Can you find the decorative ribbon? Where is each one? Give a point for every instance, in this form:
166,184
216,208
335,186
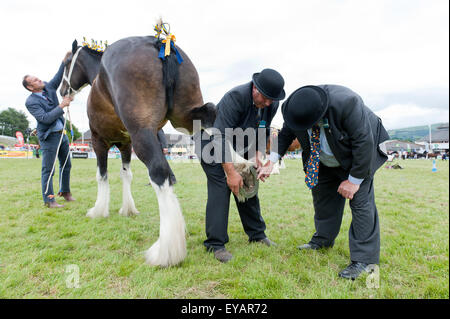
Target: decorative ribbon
168,43
165,49
159,28
94,45
168,40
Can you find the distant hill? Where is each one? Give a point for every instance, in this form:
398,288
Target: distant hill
413,133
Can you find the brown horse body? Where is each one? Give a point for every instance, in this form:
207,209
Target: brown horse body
128,103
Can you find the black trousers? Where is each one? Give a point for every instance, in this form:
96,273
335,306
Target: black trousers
217,209
364,232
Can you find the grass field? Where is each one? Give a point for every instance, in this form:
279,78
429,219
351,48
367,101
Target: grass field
38,245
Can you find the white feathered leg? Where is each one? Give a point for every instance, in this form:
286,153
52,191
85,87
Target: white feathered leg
170,248
128,207
101,208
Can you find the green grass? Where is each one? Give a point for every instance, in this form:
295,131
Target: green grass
37,244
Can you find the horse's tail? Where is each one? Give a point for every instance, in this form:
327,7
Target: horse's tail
170,75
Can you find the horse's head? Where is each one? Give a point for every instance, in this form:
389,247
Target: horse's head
73,78
80,69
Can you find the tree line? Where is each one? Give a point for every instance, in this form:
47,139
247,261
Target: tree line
12,120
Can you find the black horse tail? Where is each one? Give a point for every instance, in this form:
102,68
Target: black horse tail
170,75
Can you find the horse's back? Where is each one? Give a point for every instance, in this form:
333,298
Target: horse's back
144,89
126,46
131,73
131,56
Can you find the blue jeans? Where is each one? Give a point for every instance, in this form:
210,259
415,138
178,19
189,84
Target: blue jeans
49,148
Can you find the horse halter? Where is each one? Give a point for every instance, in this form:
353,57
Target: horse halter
68,77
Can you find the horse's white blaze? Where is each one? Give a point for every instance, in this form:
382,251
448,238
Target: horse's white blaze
128,207
170,248
101,208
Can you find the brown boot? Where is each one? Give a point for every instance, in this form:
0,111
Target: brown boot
67,196
53,204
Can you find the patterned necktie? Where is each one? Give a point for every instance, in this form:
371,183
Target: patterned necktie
312,171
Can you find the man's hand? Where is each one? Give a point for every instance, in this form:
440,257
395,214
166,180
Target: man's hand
234,180
67,56
264,171
165,151
66,101
258,160
347,189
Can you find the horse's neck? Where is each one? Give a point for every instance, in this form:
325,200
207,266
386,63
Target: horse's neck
92,73
92,68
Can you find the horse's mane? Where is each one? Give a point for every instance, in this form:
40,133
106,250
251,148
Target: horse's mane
92,51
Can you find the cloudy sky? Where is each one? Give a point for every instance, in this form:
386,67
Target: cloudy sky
394,53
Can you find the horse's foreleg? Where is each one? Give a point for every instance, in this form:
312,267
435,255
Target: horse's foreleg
128,207
170,248
101,208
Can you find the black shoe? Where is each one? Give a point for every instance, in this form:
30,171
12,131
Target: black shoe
266,241
309,246
353,270
223,255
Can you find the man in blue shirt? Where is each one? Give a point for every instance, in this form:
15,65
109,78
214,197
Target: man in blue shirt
43,104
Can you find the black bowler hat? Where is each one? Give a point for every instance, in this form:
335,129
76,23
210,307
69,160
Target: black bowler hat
305,107
270,83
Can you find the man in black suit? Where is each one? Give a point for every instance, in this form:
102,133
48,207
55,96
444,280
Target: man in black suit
43,104
250,107
340,138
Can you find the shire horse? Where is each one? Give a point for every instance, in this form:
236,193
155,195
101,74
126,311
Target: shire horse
133,94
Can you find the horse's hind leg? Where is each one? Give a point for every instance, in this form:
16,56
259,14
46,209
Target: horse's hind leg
170,248
101,208
128,207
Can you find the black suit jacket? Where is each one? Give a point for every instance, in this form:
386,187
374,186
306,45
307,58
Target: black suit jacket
354,133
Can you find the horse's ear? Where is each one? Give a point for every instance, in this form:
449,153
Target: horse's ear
74,46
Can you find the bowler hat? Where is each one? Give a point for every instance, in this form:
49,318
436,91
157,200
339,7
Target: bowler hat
270,83
305,107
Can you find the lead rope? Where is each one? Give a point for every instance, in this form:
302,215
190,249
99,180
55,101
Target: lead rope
70,142
54,162
67,79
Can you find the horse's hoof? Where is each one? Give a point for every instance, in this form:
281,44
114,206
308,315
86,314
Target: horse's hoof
94,213
127,212
151,255
155,257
